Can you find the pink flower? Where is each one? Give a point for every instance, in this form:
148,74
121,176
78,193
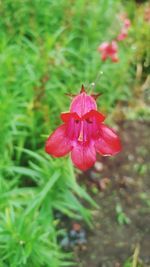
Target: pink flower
127,23
123,17
109,50
123,35
124,31
125,27
83,133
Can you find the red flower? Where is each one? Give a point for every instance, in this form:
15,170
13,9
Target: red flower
109,50
83,133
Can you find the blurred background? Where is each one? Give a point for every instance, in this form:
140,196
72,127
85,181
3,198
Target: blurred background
51,214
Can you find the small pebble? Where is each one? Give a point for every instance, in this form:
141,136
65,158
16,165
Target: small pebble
99,166
130,157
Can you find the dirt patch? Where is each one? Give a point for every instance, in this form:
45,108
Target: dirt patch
122,221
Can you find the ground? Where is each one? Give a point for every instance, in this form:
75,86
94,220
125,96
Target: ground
122,221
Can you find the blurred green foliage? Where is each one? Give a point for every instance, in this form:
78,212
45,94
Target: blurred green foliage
48,48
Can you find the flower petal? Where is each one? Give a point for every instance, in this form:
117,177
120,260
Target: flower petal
58,144
104,56
83,156
114,58
114,46
82,104
108,143
68,115
94,113
103,46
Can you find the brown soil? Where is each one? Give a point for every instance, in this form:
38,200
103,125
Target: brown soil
122,222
